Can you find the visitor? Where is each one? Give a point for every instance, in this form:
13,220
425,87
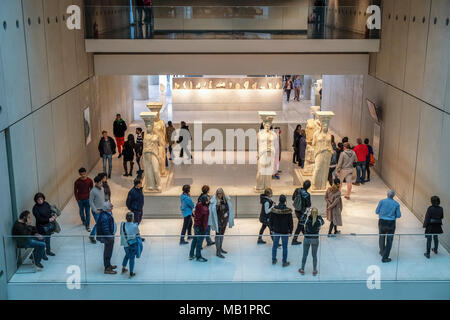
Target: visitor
334,207
106,229
135,201
344,168
297,88
200,225
333,164
107,148
139,12
45,221
184,143
362,152
187,206
220,215
119,129
130,240
264,215
333,143
205,191
302,201
433,224
128,155
105,185
369,159
96,201
312,228
27,236
81,189
281,224
295,142
301,149
138,148
149,21
344,140
388,210
169,137
288,87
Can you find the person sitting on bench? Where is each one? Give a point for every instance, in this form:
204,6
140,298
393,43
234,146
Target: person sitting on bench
27,237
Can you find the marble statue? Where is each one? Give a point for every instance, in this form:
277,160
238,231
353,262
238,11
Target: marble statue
312,127
266,152
159,128
150,153
323,152
246,84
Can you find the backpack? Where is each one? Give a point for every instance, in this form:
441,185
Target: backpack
298,202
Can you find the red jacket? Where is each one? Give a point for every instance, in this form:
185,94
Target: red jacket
361,151
82,188
201,215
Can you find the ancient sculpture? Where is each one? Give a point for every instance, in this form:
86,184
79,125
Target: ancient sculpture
322,152
312,127
266,152
159,128
150,152
246,84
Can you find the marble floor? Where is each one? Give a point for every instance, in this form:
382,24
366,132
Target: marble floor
343,258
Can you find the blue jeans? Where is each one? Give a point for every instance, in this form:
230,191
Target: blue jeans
284,242
207,235
107,157
85,209
94,229
360,172
197,242
130,255
39,248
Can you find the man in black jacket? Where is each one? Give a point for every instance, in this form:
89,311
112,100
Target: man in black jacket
106,148
281,223
24,231
119,129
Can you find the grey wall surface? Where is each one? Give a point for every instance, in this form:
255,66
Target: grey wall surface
409,80
46,83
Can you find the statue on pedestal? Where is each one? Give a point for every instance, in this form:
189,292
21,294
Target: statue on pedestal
266,152
312,127
323,152
150,153
159,128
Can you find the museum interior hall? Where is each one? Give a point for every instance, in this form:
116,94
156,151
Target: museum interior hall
219,92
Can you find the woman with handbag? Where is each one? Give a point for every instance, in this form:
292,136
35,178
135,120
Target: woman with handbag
45,221
131,242
334,207
433,224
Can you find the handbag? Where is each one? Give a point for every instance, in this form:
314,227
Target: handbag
55,210
49,228
130,242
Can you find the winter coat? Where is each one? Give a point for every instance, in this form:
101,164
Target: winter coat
437,214
201,216
312,230
22,230
334,206
295,141
301,147
362,152
306,200
106,226
187,205
42,213
281,221
263,216
213,220
135,200
101,149
128,151
119,128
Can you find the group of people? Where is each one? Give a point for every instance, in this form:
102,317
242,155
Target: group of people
293,83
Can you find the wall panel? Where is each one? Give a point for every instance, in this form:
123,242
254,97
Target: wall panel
54,48
438,53
37,52
417,46
383,57
14,60
69,48
3,107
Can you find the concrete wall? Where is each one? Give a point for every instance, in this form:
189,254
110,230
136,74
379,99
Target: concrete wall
46,82
409,80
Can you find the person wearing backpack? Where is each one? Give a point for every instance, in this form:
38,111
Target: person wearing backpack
106,229
130,240
302,201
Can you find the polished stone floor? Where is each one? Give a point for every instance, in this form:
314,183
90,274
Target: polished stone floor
346,257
